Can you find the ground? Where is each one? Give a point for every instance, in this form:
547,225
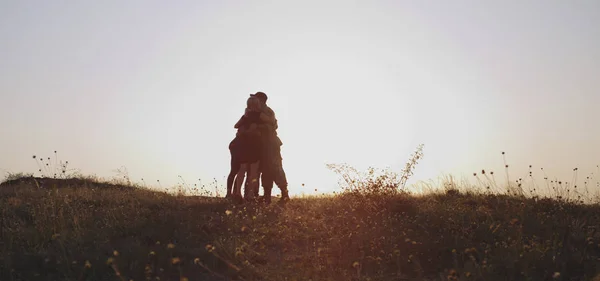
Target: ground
79,230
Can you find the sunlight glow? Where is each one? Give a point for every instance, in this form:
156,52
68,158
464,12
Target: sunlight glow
157,87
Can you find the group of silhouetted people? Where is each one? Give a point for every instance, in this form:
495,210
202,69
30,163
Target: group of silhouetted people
256,154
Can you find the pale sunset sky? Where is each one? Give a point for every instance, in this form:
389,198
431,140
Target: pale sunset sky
156,86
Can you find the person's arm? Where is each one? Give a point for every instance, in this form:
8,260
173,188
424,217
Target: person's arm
268,116
264,127
239,123
267,119
253,129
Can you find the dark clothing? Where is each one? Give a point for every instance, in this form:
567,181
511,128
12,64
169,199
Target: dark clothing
271,169
264,147
244,148
247,147
249,118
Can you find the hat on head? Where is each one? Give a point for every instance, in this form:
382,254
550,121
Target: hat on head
260,95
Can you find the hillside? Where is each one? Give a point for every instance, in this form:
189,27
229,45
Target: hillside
78,232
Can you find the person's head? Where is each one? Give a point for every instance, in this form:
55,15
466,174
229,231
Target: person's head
261,96
253,103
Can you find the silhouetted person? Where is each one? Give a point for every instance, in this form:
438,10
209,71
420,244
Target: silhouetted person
271,167
246,152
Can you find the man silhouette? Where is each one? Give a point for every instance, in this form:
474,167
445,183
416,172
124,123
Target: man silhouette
271,166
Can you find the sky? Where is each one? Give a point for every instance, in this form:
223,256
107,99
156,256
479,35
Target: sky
156,86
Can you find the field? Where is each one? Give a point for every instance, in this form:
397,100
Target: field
80,229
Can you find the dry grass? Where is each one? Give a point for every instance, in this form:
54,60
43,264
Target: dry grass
70,227
96,233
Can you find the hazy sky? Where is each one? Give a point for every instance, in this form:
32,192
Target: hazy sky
156,86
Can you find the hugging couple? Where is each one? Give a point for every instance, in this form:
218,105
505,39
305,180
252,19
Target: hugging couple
256,153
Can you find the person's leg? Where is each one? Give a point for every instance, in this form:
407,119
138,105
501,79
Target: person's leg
267,184
266,168
249,192
258,173
266,179
237,191
256,190
260,169
279,174
235,167
246,182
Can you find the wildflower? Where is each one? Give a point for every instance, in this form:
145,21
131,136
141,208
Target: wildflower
556,275
196,261
170,246
239,253
452,275
175,260
88,264
356,264
228,212
115,253
152,253
110,261
210,248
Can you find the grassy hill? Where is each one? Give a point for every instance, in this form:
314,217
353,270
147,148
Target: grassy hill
81,230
